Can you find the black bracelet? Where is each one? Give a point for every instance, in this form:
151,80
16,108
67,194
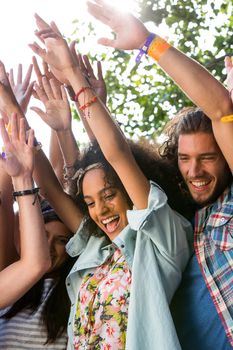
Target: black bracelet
34,191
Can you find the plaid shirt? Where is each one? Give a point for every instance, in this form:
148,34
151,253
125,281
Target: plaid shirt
213,242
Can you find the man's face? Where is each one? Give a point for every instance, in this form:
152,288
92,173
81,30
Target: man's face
202,166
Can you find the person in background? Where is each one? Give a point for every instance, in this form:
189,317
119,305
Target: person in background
34,259
36,318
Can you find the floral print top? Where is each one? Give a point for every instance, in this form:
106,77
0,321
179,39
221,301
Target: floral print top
102,308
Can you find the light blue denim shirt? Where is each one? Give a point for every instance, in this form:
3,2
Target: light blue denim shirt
156,244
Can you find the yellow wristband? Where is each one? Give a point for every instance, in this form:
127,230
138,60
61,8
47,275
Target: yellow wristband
227,118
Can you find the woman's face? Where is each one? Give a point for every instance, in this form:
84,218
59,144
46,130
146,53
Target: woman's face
58,235
107,205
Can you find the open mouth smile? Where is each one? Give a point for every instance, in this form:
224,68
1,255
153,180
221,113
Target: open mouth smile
111,223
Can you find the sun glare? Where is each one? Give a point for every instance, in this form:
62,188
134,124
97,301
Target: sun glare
124,5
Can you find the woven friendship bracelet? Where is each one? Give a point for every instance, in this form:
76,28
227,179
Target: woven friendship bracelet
83,89
87,104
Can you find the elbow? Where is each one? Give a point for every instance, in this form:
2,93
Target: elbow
225,108
39,268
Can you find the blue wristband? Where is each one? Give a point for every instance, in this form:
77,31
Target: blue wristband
145,47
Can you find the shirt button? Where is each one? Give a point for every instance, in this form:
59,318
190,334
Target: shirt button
68,284
75,268
122,246
69,323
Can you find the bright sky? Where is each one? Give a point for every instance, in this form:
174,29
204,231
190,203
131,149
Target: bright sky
17,27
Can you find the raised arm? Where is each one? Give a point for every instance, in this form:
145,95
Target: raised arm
43,172
96,82
58,117
34,260
197,83
7,247
110,138
130,33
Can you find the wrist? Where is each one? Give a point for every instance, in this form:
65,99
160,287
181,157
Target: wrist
24,182
65,133
145,46
76,78
69,74
144,38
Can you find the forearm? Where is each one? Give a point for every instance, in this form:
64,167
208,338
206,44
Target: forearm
55,156
104,128
89,132
51,189
197,83
7,247
68,147
33,240
19,277
45,177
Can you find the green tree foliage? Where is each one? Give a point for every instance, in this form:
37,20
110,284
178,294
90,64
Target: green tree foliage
142,98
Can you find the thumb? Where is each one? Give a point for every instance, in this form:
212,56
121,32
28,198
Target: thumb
107,42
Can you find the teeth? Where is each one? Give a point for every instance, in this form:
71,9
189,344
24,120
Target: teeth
199,183
108,220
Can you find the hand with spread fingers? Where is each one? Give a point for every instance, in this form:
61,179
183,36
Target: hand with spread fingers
22,88
57,54
97,83
57,109
19,158
130,32
39,74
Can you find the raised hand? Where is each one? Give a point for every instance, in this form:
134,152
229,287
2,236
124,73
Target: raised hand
97,83
19,158
57,54
22,88
39,74
57,110
130,32
8,102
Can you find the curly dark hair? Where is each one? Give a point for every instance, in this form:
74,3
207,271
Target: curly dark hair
153,167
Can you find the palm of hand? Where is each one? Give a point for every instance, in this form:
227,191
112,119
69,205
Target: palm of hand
58,114
99,87
124,39
19,159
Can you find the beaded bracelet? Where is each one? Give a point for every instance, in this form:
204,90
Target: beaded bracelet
34,191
